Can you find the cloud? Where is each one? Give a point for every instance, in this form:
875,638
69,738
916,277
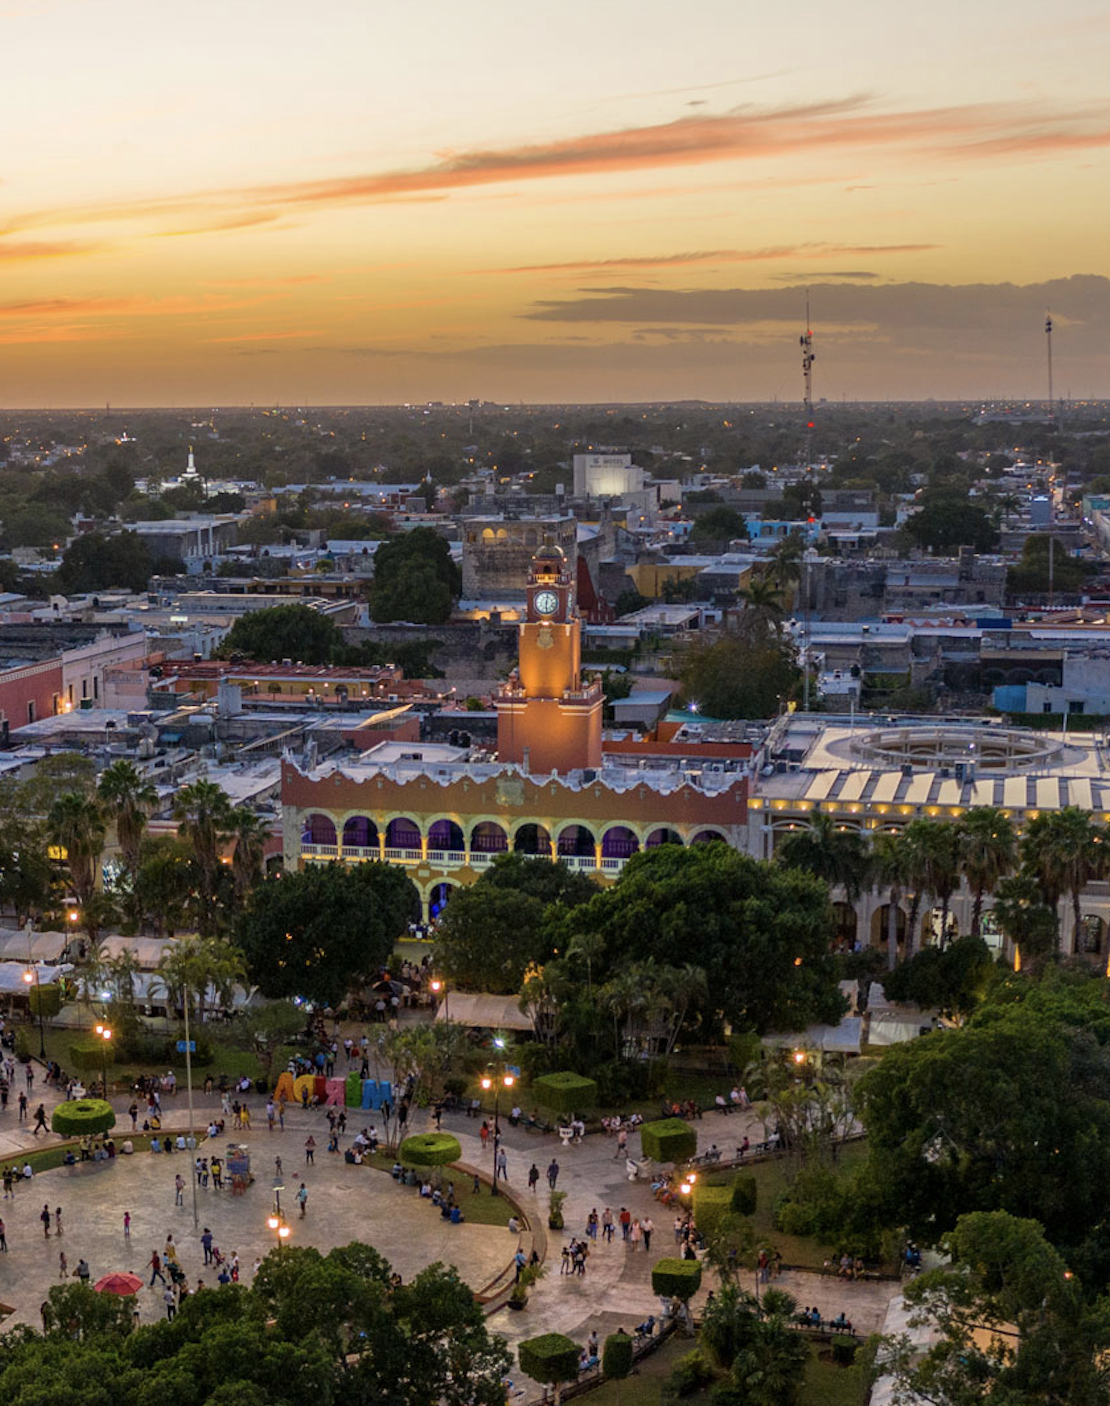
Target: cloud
718,256
16,251
266,336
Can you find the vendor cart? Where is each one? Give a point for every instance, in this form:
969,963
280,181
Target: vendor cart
238,1167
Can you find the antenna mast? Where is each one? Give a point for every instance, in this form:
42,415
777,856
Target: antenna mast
807,375
1048,345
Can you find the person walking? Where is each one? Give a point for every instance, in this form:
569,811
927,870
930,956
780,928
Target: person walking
134,1112
81,1273
646,1227
63,1265
302,1199
156,1268
552,1173
501,1165
179,1190
622,1144
607,1225
45,1217
625,1219
57,1220
169,1250
127,1225
533,1176
310,1151
40,1120
635,1234
270,1115
22,1106
206,1245
170,1301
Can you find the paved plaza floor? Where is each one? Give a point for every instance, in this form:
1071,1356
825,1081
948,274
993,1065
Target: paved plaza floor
347,1203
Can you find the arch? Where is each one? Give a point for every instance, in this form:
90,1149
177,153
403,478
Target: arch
532,839
402,833
705,837
847,925
619,842
438,897
318,829
878,926
446,835
359,832
576,840
662,836
488,534
488,837
1092,931
342,693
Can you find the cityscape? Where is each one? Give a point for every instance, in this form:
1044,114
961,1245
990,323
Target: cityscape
555,706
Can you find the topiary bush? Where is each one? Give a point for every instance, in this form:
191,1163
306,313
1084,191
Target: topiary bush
83,1117
668,1140
87,1057
616,1356
711,1205
564,1092
429,1150
676,1279
689,1374
549,1359
745,1196
48,997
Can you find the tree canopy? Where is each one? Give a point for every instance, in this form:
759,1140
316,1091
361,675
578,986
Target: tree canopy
324,931
415,578
96,562
294,632
739,677
947,521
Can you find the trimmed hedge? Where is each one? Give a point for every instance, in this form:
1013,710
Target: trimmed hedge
616,1356
88,1058
83,1117
744,1195
676,1279
429,1150
50,998
668,1140
564,1092
549,1359
711,1205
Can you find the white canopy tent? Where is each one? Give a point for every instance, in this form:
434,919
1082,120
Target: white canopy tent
483,1010
12,974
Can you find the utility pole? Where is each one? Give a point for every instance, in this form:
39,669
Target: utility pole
190,1141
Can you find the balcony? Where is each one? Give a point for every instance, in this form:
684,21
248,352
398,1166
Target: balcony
361,852
320,851
404,856
447,858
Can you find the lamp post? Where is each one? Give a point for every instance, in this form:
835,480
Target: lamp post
105,1036
29,976
438,985
504,1080
277,1224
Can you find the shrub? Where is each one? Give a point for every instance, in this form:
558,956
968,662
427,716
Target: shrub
564,1092
455,1087
668,1140
555,1210
87,1057
549,1359
792,1217
711,1205
83,1117
844,1351
618,1082
49,997
689,1374
676,1279
22,1046
429,1150
745,1196
616,1357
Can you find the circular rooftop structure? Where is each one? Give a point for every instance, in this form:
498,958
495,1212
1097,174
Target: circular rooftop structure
929,748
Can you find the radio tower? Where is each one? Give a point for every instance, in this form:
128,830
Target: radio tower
807,374
1048,345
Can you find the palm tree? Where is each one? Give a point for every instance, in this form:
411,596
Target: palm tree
250,832
197,965
128,797
834,854
203,812
889,862
762,603
163,883
1065,850
76,824
988,852
932,869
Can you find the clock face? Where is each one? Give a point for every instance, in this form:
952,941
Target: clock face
547,602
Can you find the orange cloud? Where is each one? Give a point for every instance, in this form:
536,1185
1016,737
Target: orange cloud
716,256
19,252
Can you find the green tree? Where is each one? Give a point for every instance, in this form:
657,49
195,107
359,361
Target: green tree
164,883
76,824
1026,920
203,814
947,521
324,931
1065,849
199,968
890,872
950,979
250,833
550,883
830,852
988,853
489,936
415,578
127,797
719,525
95,562
758,931
296,632
738,678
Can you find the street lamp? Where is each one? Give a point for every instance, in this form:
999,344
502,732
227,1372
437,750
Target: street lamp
29,976
437,985
280,1229
106,1038
503,1081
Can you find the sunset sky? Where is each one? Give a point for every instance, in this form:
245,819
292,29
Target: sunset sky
347,201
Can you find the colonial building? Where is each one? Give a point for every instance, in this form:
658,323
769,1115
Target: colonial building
552,789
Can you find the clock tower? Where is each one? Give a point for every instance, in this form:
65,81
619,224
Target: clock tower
545,718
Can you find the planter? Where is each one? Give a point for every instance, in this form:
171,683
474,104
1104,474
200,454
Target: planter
518,1304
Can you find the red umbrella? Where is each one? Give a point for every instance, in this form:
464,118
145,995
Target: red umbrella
122,1284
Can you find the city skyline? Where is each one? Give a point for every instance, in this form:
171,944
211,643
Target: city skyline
610,203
